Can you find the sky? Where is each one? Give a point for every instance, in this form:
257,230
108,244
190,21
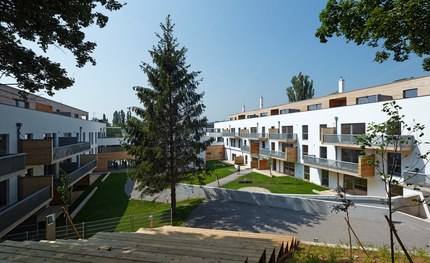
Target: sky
244,49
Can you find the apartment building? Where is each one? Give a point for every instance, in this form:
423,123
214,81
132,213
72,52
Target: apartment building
40,138
314,139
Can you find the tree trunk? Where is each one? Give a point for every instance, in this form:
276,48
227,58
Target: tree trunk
173,198
390,214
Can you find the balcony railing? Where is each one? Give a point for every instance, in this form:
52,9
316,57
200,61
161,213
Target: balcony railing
76,175
283,136
331,164
245,148
419,179
68,150
405,141
11,163
254,135
265,152
20,211
228,134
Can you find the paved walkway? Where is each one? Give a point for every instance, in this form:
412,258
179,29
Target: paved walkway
221,214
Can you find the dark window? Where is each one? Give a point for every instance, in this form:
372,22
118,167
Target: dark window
353,128
3,143
307,173
410,93
272,146
289,168
3,192
323,152
349,155
305,131
305,149
394,164
354,185
287,129
367,99
314,107
324,178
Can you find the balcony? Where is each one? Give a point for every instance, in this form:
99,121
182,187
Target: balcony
360,169
253,135
286,137
290,154
17,213
12,164
406,142
77,174
42,151
229,134
245,148
419,179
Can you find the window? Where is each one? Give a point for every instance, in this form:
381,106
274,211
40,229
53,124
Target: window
367,99
349,155
394,164
314,107
305,131
324,178
410,93
263,114
289,168
323,152
307,173
272,146
287,129
3,143
305,149
246,159
353,128
4,192
354,185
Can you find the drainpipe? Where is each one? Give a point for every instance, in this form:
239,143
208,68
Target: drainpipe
18,137
335,147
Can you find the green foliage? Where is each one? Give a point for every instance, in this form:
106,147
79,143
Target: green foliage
119,119
301,89
167,135
63,188
282,185
47,23
399,27
218,170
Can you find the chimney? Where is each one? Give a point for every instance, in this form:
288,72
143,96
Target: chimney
341,85
243,108
261,102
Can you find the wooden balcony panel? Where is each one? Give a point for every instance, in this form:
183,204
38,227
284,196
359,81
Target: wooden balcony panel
273,131
291,154
31,184
39,152
254,148
364,169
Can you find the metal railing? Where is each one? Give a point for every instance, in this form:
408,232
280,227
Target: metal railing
11,163
264,151
419,179
277,154
328,163
68,150
253,135
111,148
20,210
245,148
81,171
129,223
283,136
228,134
403,140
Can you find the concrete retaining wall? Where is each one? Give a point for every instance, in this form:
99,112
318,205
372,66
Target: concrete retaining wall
309,204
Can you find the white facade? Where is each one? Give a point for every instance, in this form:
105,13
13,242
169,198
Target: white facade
68,143
242,132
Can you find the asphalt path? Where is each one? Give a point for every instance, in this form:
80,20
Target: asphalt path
330,229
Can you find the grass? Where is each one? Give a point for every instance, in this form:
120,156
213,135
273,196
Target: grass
219,170
309,253
279,185
111,201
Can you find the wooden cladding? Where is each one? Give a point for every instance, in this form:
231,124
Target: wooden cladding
38,151
254,148
364,168
329,130
291,154
254,164
215,152
263,164
238,160
43,107
271,131
103,158
31,184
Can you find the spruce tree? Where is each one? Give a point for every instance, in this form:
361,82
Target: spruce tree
166,135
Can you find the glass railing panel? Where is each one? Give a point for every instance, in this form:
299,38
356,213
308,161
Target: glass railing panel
81,171
245,148
264,151
12,163
283,136
334,164
65,151
414,178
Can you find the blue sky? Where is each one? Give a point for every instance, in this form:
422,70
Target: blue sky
245,49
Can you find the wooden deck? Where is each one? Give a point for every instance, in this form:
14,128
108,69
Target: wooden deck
165,244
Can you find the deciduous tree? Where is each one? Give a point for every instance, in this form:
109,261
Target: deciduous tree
47,23
301,89
166,135
399,27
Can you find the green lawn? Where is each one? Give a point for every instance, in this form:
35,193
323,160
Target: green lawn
219,169
111,201
279,185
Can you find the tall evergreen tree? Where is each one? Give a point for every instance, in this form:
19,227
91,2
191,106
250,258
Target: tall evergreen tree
301,89
166,136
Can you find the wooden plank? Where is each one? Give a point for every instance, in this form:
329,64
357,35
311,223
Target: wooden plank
188,244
